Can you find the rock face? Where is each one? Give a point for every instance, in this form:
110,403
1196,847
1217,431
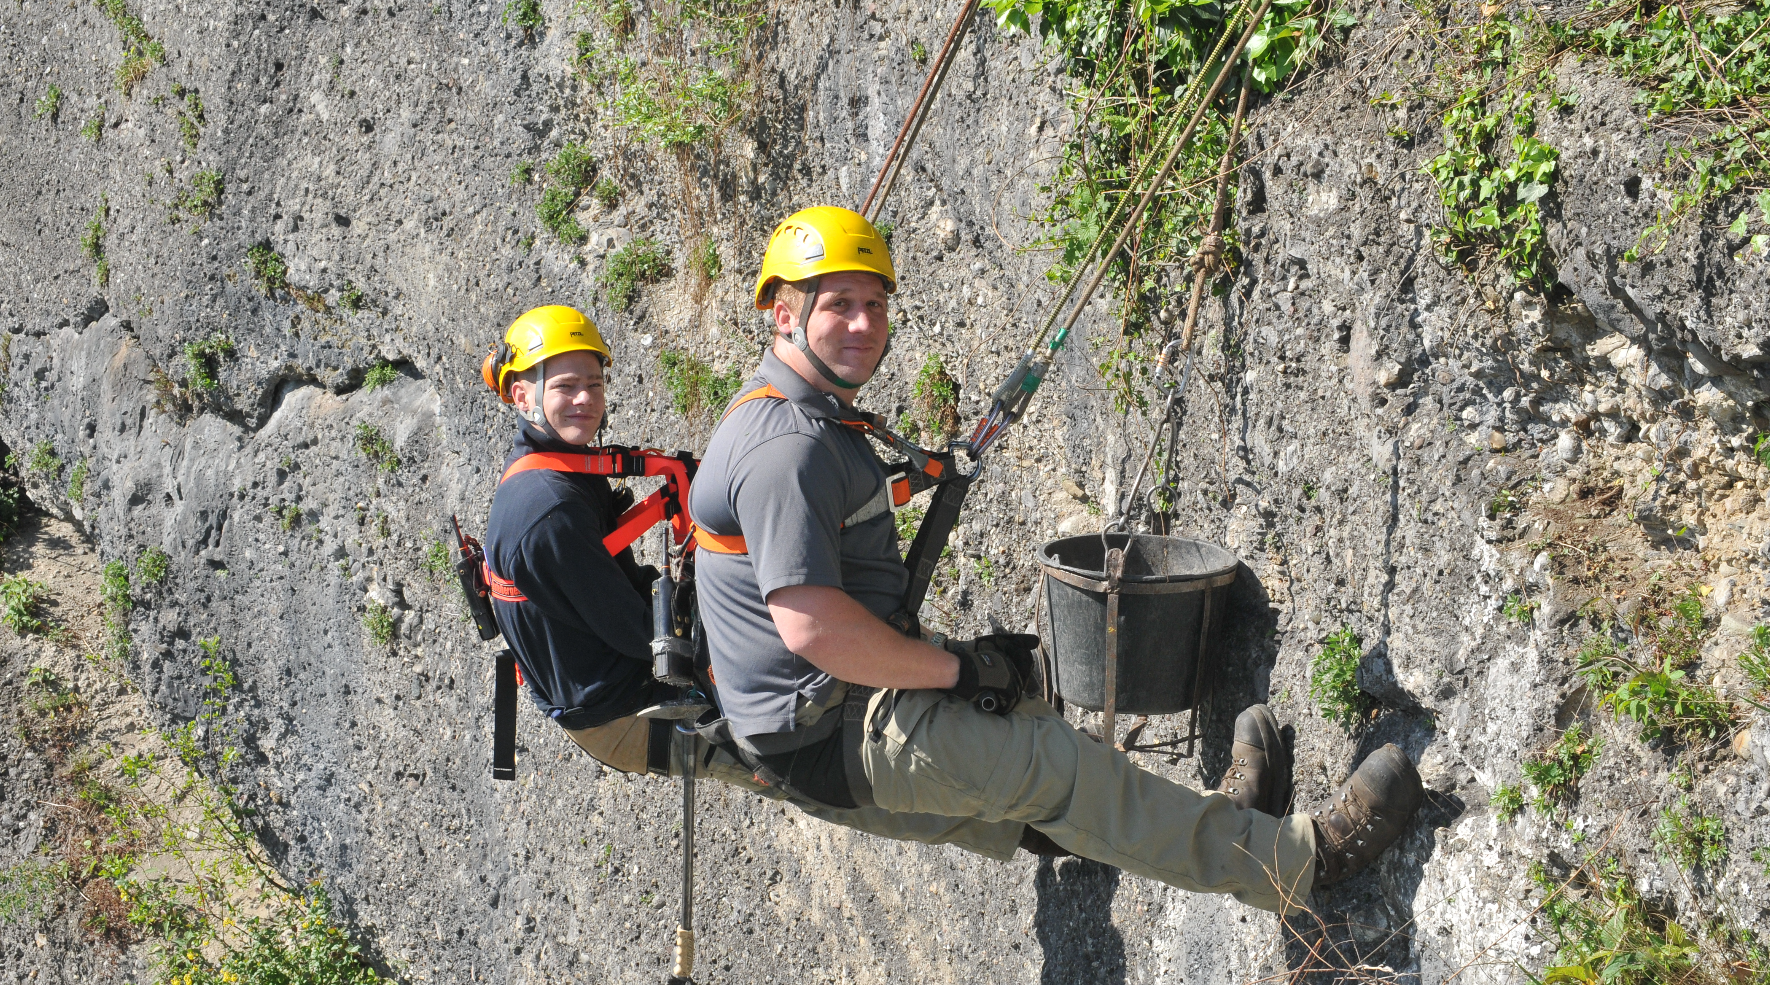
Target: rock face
1385,442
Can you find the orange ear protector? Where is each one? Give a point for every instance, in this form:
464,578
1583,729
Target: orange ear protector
490,370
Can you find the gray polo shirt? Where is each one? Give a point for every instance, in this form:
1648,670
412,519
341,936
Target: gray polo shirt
785,474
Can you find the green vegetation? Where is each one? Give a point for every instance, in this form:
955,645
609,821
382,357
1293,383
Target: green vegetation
204,195
376,448
116,603
1507,801
569,175
607,194
287,515
1707,66
1333,680
1647,683
525,14
93,129
351,298
885,229
267,268
642,261
21,604
9,507
908,520
201,359
1755,663
28,888
934,402
43,460
692,83
378,623
437,561
152,566
379,375
1132,69
523,173
92,244
704,261
693,385
1517,608
190,119
1689,837
918,52
1606,934
140,51
1494,171
49,104
1555,772
77,480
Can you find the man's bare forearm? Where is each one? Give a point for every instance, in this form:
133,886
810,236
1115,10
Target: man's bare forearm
841,638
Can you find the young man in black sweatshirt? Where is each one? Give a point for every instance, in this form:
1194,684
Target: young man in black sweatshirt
577,617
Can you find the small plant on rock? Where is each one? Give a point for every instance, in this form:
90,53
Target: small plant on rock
376,448
201,358
21,604
693,385
379,375
267,268
1689,837
378,623
1507,801
1755,663
351,298
93,129
1333,680
437,562
43,460
1555,772
77,480
92,244
642,261
525,14
49,104
152,566
936,401
606,193
1518,608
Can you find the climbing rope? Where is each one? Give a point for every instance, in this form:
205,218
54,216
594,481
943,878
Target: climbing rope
912,124
1206,263
1010,400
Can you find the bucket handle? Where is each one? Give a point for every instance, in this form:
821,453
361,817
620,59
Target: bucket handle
1141,588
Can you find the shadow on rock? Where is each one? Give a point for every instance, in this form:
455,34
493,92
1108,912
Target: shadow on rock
1073,923
1362,930
1246,648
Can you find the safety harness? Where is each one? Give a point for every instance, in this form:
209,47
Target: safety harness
481,584
920,469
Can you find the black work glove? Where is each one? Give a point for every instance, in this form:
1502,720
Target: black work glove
993,670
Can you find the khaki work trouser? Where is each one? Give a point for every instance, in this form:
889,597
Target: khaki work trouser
622,745
936,754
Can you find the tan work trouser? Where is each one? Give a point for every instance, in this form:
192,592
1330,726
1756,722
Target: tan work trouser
622,745
936,754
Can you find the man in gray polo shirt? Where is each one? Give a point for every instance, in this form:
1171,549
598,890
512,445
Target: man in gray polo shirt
799,571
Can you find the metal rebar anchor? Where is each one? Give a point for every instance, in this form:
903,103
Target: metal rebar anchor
682,973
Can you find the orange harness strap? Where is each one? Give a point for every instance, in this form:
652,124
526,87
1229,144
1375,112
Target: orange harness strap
735,543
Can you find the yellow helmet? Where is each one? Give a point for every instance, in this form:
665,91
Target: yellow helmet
822,240
540,333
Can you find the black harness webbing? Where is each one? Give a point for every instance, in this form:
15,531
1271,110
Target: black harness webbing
504,717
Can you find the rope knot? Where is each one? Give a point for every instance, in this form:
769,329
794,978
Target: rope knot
1209,257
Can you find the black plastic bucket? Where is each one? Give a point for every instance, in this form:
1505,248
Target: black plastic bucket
1163,633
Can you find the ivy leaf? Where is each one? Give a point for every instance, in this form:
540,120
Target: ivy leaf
1341,17
1530,191
1738,227
1761,243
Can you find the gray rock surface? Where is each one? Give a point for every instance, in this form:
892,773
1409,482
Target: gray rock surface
1340,437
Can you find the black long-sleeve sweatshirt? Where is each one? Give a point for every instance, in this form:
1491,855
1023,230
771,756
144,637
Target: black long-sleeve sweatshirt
583,638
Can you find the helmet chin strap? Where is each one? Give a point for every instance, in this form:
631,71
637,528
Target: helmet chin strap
535,415
804,345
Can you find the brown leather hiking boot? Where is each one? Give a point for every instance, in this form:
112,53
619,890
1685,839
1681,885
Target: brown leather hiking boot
1259,773
1366,816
